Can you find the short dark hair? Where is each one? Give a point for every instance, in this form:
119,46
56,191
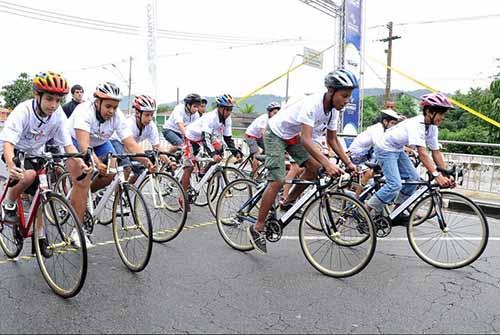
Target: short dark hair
76,87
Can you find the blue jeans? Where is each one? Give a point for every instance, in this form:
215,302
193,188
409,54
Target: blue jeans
173,137
396,166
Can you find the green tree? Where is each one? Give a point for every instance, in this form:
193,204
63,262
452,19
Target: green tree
164,108
407,105
370,110
20,90
247,108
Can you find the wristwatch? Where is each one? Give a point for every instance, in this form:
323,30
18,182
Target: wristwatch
435,174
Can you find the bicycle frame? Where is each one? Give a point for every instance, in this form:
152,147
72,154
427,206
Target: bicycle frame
157,198
25,225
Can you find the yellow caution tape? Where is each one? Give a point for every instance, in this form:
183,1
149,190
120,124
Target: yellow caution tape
240,100
458,103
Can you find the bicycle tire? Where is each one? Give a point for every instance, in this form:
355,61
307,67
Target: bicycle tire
214,186
163,231
141,225
64,248
316,258
449,200
232,228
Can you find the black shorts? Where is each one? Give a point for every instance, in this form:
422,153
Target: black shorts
28,165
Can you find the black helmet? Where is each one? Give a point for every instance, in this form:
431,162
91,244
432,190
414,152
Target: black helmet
192,98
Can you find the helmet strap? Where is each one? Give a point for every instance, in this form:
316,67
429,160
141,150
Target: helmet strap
98,111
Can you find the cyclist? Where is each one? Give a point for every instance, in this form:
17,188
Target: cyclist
27,129
291,130
203,106
361,149
174,130
417,131
208,131
254,135
93,123
143,128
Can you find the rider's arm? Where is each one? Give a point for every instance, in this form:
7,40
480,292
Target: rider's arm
206,140
8,154
307,141
182,128
133,147
425,159
438,158
334,143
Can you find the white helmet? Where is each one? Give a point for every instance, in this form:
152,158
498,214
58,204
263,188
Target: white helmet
390,114
108,90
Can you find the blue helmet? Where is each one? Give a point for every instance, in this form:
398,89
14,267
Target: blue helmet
342,78
224,100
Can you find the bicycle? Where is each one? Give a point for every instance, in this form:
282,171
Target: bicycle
128,203
205,188
162,192
245,165
431,222
53,218
338,215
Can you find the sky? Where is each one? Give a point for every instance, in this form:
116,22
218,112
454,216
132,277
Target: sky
449,55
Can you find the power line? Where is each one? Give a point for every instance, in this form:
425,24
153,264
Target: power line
456,19
81,22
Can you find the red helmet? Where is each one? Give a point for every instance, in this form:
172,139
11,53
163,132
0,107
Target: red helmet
144,103
50,82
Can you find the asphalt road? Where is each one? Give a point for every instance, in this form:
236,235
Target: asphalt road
197,283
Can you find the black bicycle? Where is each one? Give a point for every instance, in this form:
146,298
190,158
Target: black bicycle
329,229
445,229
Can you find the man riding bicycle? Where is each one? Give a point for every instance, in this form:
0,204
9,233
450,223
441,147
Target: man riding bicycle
174,130
292,130
254,135
27,129
143,128
93,123
418,131
209,130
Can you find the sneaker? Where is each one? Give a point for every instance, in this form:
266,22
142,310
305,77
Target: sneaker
258,239
44,248
75,238
9,214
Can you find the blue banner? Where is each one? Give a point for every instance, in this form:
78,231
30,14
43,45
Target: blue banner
352,60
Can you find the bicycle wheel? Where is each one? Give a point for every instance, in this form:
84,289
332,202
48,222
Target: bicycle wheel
218,181
163,193
340,253
132,228
64,185
232,222
54,174
106,216
11,240
460,242
66,269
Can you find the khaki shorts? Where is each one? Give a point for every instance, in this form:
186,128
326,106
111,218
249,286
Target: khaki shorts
275,155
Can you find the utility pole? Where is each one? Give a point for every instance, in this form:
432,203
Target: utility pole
389,39
130,86
177,95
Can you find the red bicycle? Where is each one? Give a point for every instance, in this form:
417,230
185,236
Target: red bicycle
64,267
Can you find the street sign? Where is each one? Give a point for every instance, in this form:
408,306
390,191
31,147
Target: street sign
313,58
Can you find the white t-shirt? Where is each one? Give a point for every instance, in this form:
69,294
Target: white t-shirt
179,115
411,132
209,123
150,132
309,111
254,129
29,133
84,118
362,144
